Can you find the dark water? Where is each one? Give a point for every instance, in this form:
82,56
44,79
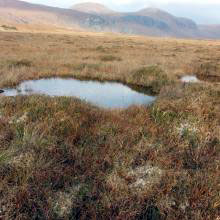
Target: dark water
108,94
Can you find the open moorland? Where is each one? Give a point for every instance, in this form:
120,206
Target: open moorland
63,158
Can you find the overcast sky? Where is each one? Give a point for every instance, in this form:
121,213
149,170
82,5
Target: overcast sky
202,11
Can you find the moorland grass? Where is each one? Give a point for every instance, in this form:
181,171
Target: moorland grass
105,57
61,158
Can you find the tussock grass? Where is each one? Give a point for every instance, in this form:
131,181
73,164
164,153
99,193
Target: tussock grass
61,158
30,56
18,63
108,58
150,76
7,27
208,71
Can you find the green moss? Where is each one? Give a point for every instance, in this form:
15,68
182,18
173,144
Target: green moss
151,76
163,117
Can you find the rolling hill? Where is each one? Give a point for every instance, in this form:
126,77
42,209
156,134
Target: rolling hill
97,17
92,8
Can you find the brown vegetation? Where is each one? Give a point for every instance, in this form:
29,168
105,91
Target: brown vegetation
102,56
61,158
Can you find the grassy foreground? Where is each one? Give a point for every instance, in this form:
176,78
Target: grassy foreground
61,158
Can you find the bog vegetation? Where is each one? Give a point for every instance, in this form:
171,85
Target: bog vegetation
62,158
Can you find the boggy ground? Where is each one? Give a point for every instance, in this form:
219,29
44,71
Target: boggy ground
61,158
135,60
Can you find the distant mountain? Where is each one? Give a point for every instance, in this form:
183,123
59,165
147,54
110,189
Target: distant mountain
19,12
165,22
210,31
164,16
96,17
92,8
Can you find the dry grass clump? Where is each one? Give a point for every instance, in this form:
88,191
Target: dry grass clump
7,27
108,58
18,63
151,77
208,71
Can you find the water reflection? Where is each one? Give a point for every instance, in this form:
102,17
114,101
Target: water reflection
107,94
189,79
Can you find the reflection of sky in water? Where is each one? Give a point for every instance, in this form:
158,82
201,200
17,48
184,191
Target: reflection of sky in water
192,79
110,95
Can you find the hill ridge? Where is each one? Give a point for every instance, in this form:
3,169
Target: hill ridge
148,21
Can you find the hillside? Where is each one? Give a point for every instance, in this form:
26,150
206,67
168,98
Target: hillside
96,17
92,8
19,12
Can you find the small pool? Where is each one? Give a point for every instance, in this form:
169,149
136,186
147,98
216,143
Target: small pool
107,94
190,79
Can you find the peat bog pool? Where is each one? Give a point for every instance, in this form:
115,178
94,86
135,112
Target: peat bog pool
102,94
189,79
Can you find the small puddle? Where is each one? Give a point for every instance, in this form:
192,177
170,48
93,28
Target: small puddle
190,79
107,94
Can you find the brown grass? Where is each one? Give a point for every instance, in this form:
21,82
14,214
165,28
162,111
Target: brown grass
82,55
61,158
